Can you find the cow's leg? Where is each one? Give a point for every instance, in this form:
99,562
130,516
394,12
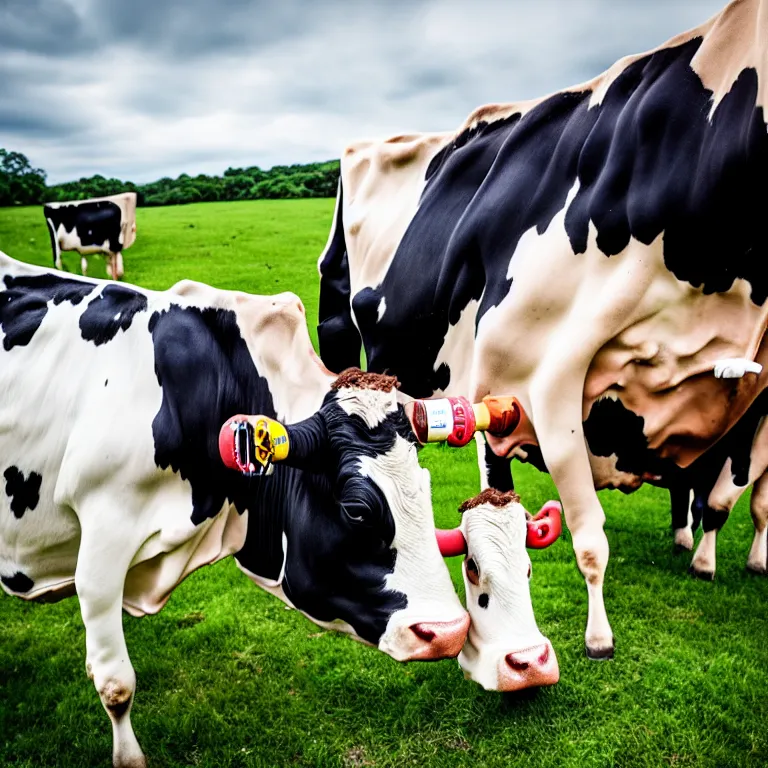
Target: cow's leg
758,554
495,472
99,579
83,265
681,498
719,500
556,405
114,265
55,245
704,561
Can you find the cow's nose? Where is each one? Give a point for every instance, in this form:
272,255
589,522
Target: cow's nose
529,668
440,639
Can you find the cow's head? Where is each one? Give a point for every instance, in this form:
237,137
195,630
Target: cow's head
360,552
505,650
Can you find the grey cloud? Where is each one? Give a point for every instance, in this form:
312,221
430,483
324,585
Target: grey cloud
48,27
146,88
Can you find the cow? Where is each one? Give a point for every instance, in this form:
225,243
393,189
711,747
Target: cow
120,504
597,253
707,491
100,225
505,651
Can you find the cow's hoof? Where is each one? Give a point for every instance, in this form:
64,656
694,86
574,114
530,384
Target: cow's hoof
678,548
757,568
599,654
699,574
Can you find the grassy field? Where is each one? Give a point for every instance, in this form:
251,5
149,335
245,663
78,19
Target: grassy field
227,676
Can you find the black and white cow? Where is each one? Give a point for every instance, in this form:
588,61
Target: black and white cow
707,491
120,504
100,225
597,253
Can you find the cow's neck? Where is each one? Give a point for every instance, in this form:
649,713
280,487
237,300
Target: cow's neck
279,519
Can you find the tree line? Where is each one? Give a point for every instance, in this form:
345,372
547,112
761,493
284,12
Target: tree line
21,184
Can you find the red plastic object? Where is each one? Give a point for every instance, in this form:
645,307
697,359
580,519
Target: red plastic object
545,527
228,445
451,542
463,422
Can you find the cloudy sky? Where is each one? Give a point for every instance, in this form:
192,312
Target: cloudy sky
141,89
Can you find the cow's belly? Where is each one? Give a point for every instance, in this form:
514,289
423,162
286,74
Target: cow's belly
658,362
72,242
176,549
38,551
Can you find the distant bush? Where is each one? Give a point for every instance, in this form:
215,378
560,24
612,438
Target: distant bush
20,184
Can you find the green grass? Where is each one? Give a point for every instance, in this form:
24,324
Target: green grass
229,677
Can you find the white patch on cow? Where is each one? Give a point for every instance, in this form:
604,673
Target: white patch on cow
118,315
420,572
382,309
371,405
332,232
496,542
684,536
457,349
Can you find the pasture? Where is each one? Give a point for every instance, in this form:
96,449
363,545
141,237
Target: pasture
227,676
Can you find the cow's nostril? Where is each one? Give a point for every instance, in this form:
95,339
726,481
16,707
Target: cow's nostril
423,633
519,666
529,659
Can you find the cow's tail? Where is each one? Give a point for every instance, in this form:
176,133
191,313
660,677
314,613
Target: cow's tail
338,337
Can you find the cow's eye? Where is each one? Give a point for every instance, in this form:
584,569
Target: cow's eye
472,573
530,570
357,511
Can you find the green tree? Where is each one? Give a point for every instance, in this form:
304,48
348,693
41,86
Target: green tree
20,183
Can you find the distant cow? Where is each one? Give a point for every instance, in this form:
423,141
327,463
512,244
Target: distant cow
120,504
597,253
706,492
100,225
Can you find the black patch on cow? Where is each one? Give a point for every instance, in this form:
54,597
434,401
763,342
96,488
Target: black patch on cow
339,341
713,519
680,502
648,161
112,310
24,493
96,223
19,582
338,525
482,601
611,428
24,303
499,471
207,375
